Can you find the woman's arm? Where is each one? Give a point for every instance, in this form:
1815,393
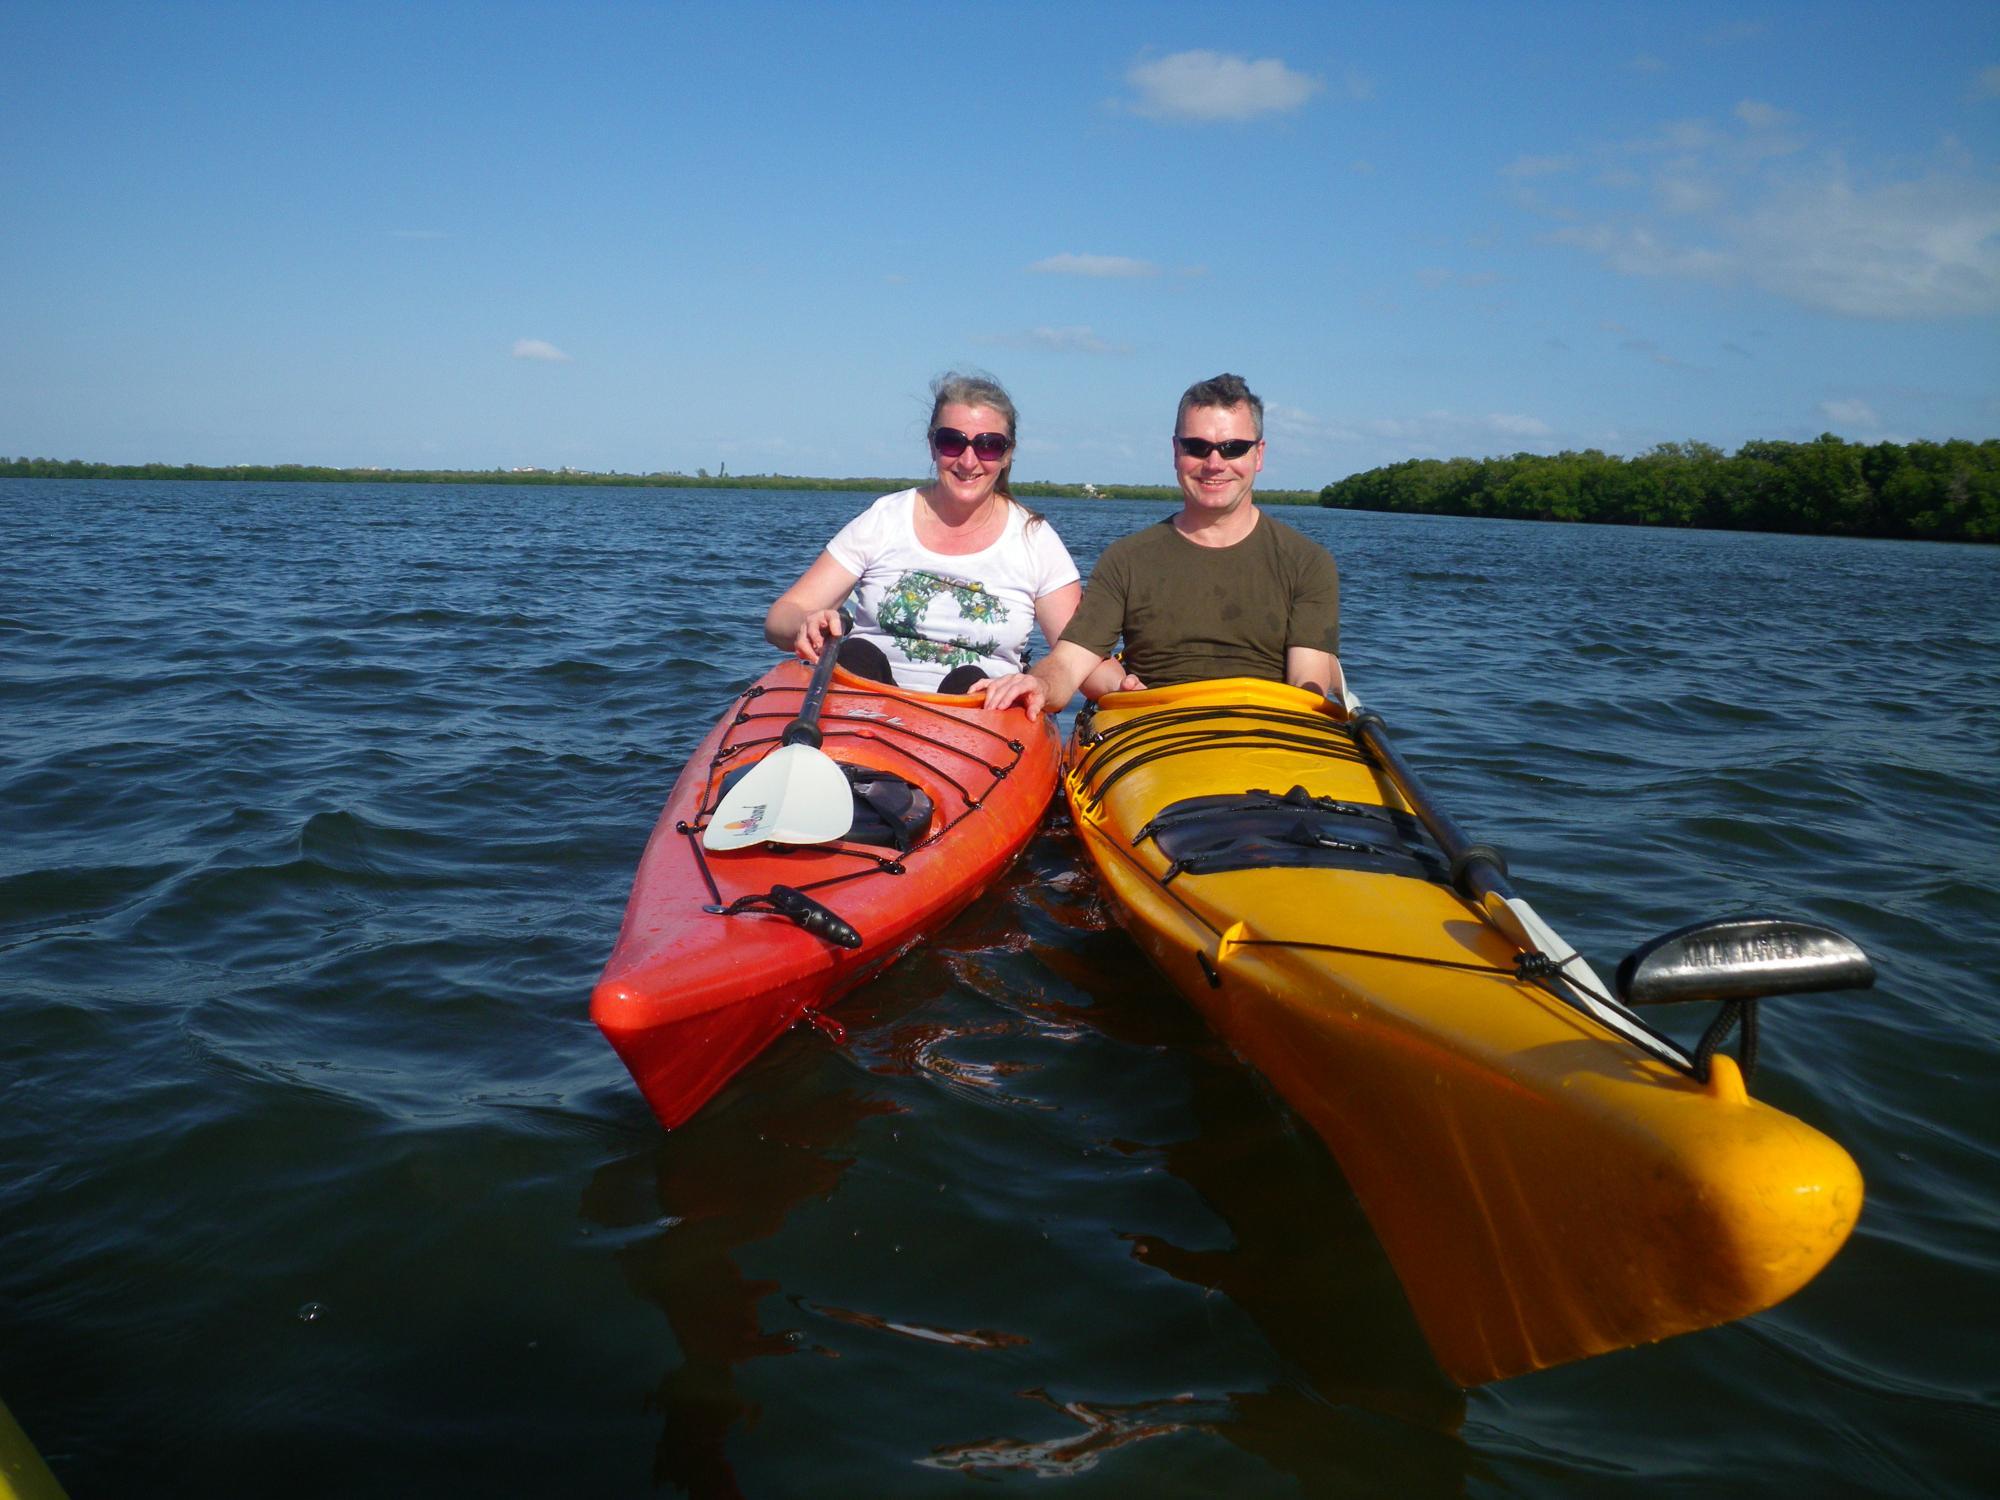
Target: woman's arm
1053,609
809,611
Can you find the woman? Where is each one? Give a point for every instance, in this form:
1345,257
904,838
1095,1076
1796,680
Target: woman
947,578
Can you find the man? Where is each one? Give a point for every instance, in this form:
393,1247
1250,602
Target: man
1218,590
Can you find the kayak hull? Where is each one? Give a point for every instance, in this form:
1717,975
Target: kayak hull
700,982
1545,1189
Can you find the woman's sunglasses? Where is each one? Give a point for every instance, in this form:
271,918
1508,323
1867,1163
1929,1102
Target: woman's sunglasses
987,446
1202,447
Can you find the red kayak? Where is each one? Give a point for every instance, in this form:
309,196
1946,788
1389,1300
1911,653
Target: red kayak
724,949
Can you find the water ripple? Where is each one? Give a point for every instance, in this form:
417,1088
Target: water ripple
322,805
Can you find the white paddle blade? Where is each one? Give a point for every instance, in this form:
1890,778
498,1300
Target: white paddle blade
794,795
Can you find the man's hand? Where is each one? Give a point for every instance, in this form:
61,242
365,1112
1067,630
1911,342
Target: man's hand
1109,676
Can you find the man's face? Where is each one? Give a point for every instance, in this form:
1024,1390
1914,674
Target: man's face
1214,485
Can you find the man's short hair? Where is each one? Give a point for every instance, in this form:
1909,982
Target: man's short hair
1221,390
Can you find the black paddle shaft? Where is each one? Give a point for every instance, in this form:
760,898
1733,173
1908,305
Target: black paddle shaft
1476,869
804,730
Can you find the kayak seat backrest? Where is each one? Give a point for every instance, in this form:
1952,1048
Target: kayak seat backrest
888,811
1265,830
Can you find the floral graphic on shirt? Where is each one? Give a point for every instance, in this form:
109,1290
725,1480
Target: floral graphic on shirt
903,606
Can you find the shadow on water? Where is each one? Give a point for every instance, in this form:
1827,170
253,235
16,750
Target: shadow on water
1300,1260
1315,1369
717,1188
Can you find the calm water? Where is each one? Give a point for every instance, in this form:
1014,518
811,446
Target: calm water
320,809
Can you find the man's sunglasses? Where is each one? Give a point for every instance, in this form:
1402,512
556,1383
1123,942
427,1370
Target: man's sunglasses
986,446
1202,447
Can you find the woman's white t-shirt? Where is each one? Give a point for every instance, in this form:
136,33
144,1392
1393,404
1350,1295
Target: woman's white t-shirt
930,611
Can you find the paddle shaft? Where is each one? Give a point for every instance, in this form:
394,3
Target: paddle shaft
1477,870
804,730
1479,873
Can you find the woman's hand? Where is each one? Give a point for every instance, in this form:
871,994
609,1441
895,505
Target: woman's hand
815,630
1016,687
797,620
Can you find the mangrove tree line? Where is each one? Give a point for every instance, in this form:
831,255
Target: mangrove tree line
1947,491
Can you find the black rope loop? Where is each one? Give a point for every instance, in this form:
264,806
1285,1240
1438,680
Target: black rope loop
1538,965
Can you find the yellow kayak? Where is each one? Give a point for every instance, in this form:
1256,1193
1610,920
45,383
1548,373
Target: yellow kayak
23,1475
1550,1177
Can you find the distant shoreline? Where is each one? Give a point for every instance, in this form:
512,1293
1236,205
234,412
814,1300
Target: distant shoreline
48,468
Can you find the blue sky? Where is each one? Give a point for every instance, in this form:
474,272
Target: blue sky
674,236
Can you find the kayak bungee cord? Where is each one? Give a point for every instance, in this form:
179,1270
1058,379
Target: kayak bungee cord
1475,868
1196,736
882,730
998,773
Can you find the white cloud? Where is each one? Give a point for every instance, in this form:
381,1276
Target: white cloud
1538,166
1449,433
1074,339
1741,206
1068,264
540,349
1298,431
1918,249
1687,195
1515,425
1203,85
1850,413
1638,251
1439,276
1760,116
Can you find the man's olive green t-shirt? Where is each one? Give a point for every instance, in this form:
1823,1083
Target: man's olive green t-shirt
1188,612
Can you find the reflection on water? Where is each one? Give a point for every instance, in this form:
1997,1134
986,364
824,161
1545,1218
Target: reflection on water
715,1190
1106,1428
1269,1231
323,804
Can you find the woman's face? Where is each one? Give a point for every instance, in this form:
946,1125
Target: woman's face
968,478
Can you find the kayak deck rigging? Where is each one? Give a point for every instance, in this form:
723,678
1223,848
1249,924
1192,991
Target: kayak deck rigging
1550,1178
757,903
876,730
1114,753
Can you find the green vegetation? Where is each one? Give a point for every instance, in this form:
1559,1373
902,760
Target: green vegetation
73,468
51,468
1934,491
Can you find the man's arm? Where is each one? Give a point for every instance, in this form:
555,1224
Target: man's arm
1049,684
1316,671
